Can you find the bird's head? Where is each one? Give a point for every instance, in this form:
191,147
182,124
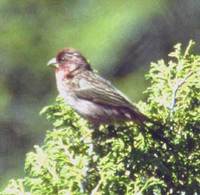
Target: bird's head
70,61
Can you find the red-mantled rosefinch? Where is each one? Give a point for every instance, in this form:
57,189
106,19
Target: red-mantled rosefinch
93,97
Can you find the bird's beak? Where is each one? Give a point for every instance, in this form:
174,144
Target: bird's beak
52,63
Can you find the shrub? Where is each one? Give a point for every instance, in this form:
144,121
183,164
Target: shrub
127,159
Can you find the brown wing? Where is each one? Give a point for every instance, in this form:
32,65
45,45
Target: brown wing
94,88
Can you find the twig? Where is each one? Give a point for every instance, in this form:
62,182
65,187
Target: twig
95,190
176,88
67,153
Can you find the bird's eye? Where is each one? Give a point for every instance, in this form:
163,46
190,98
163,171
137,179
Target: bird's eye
62,59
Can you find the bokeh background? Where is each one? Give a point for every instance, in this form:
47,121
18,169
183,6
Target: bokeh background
120,39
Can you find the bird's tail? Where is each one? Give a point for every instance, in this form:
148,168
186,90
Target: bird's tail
155,129
141,118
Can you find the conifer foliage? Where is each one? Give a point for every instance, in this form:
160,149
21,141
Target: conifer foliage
126,159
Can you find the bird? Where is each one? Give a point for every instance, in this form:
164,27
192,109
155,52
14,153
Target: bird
95,98
89,94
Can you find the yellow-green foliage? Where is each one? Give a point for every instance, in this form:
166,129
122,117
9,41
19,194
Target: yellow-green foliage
76,159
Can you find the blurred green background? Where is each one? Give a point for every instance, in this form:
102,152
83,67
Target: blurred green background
120,39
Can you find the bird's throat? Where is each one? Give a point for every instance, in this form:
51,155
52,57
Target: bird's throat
63,73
